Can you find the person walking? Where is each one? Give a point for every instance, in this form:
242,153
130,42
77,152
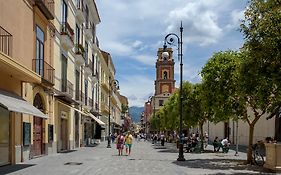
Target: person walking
120,144
128,143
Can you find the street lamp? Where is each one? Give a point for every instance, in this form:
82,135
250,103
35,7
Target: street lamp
115,85
169,39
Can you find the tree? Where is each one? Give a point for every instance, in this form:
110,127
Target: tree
196,105
220,87
261,80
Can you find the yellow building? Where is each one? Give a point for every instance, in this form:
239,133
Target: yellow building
76,99
26,68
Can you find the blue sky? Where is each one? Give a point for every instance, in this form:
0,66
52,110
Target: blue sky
133,30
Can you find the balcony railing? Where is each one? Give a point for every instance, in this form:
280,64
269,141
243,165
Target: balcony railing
44,69
67,30
47,8
6,40
97,106
79,49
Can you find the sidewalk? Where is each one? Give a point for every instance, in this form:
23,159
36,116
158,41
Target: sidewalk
145,159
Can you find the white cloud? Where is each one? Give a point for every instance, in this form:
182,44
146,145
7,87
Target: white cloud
136,88
200,22
137,44
146,59
134,30
236,17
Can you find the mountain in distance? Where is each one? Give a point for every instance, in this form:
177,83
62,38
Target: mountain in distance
135,113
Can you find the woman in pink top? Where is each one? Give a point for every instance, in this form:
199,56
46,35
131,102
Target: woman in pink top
120,143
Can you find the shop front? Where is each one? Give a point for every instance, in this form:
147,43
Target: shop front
11,126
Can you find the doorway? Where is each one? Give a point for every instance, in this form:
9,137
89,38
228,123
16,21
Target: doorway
38,127
64,137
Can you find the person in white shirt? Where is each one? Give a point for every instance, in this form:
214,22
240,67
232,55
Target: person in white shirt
224,142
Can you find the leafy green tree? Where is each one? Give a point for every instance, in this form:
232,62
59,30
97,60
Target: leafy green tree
221,85
261,80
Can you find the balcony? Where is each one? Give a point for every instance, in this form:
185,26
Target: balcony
79,54
45,70
6,40
80,18
66,36
46,7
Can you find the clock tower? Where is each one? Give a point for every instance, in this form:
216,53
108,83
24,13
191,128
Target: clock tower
165,82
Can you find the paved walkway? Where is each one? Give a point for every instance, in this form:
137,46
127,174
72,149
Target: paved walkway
145,159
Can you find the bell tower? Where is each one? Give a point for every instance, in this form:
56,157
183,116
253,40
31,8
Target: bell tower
165,82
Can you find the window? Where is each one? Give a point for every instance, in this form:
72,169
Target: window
93,65
77,84
39,62
165,75
78,3
86,52
63,73
161,102
87,17
77,32
93,96
93,32
64,11
86,92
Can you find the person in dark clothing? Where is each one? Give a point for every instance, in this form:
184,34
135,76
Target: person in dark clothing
216,144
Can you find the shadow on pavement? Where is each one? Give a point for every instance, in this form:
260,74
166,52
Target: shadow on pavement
12,168
221,164
168,151
67,151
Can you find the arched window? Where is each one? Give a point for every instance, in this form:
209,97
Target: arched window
38,102
165,75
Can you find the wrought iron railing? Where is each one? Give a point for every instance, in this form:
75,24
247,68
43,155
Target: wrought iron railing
6,40
96,106
45,70
79,49
67,30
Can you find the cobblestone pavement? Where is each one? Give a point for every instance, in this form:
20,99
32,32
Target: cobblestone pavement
145,159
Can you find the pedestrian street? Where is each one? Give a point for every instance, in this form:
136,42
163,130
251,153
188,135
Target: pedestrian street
145,159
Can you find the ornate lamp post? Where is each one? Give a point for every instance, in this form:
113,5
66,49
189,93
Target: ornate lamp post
113,84
170,39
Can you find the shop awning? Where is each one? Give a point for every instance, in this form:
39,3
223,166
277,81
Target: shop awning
96,119
16,103
81,112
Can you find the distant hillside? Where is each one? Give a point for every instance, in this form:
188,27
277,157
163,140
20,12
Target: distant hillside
135,113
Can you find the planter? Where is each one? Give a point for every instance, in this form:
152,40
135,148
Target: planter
273,156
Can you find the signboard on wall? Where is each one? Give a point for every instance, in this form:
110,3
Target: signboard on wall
50,133
26,134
